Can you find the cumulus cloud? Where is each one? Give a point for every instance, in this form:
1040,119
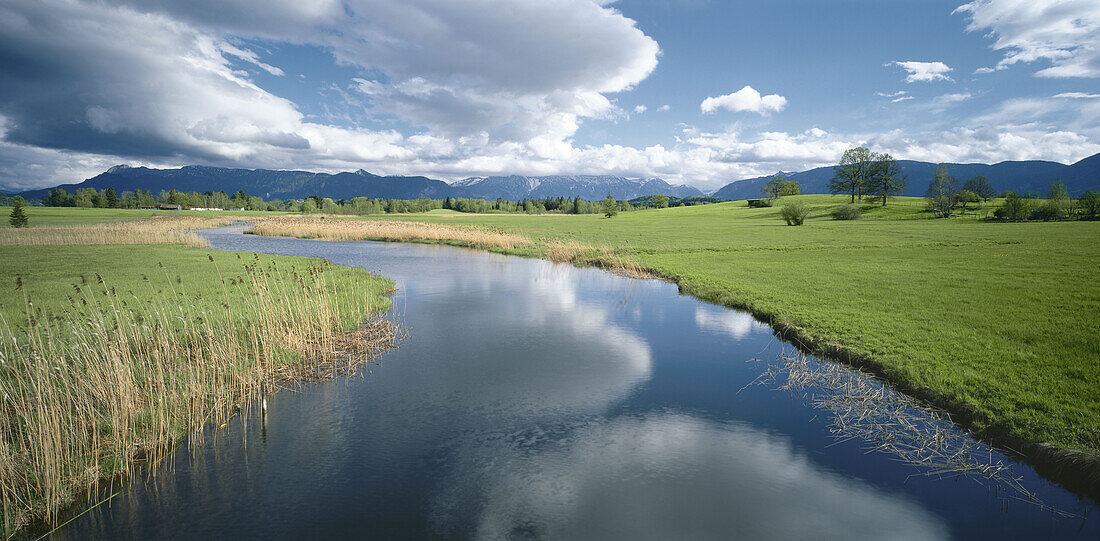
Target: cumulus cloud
639,109
923,71
1064,33
664,108
746,99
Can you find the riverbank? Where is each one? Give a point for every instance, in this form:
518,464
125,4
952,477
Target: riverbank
992,322
112,354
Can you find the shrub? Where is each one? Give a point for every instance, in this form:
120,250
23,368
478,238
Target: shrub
1089,203
847,212
1014,209
795,212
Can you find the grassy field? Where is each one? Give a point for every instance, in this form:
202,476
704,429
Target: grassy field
71,216
999,322
110,353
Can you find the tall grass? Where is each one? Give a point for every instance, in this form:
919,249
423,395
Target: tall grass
153,230
108,383
385,230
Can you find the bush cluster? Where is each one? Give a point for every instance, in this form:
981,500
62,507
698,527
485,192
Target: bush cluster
795,212
847,212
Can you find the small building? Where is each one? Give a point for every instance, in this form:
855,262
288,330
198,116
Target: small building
171,207
203,208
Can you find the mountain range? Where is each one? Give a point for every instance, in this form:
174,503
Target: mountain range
271,184
590,187
1021,177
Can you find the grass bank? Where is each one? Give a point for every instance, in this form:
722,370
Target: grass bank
995,322
110,354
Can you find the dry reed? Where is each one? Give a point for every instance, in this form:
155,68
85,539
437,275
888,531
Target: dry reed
153,230
862,408
387,230
105,387
580,254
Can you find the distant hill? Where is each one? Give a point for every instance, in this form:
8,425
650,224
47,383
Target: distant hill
262,182
1018,176
271,184
590,187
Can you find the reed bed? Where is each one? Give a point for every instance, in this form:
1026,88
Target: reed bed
111,382
387,230
884,420
581,254
153,230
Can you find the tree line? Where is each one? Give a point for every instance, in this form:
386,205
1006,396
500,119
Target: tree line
109,198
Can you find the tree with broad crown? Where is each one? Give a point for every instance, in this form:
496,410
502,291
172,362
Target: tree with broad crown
981,187
660,201
853,172
886,178
772,187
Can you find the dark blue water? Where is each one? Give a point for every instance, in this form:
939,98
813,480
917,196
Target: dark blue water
538,400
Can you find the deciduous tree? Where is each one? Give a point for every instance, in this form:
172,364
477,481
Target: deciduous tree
980,186
886,178
851,175
941,192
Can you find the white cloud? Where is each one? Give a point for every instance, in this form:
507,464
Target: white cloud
899,93
902,98
746,99
1066,33
163,80
982,71
664,108
923,71
1076,95
952,98
639,109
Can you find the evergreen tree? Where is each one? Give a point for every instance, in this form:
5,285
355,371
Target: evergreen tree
18,216
610,207
112,198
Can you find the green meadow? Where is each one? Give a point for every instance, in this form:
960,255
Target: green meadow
74,216
998,322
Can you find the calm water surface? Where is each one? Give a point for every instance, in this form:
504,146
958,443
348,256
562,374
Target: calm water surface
538,400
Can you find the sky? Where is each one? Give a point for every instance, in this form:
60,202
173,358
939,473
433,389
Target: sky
692,91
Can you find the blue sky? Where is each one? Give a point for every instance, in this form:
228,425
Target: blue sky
693,91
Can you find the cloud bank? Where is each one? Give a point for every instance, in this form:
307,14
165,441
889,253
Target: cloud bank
480,87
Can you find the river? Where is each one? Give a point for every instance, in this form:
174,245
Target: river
540,400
